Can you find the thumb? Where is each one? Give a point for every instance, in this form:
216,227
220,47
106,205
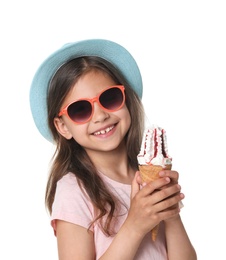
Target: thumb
135,187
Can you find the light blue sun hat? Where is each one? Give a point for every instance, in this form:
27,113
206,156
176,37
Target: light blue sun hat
114,53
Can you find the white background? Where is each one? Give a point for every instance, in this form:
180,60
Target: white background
180,49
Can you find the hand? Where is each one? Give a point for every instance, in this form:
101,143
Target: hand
152,203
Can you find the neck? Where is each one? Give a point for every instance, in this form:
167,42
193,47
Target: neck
114,164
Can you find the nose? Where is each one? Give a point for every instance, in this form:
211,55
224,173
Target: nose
99,114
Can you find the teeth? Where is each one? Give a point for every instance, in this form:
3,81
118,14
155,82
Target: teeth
104,131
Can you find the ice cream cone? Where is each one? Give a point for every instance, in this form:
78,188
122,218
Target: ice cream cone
150,173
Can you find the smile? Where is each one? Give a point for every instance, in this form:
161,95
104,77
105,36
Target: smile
104,131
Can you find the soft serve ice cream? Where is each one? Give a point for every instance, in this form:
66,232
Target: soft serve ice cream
154,148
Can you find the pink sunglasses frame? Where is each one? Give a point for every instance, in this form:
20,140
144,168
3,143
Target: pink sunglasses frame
64,111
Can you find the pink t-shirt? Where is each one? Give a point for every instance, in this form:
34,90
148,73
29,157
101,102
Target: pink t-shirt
73,205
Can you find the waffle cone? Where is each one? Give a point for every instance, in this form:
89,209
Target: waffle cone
150,173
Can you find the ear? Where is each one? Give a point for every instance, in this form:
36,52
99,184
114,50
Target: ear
62,128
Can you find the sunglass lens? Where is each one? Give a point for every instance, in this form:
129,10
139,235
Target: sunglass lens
111,99
80,111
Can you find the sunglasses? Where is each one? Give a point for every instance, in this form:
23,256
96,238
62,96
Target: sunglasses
81,110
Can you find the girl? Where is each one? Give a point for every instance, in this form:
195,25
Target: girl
89,93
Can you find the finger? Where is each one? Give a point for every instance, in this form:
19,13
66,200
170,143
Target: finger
152,186
166,193
139,180
169,203
173,175
135,187
167,214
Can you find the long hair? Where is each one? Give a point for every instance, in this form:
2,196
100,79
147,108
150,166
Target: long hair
69,156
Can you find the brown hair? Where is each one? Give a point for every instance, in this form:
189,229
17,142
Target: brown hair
69,156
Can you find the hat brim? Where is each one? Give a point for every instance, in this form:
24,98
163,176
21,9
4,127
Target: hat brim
117,55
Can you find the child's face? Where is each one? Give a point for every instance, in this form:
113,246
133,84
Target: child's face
105,130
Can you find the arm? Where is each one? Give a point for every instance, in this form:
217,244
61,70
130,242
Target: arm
74,242
178,243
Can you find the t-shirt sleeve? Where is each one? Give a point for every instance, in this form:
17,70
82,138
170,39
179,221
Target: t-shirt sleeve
71,204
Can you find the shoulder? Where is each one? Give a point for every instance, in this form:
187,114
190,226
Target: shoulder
71,199
68,180
68,186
